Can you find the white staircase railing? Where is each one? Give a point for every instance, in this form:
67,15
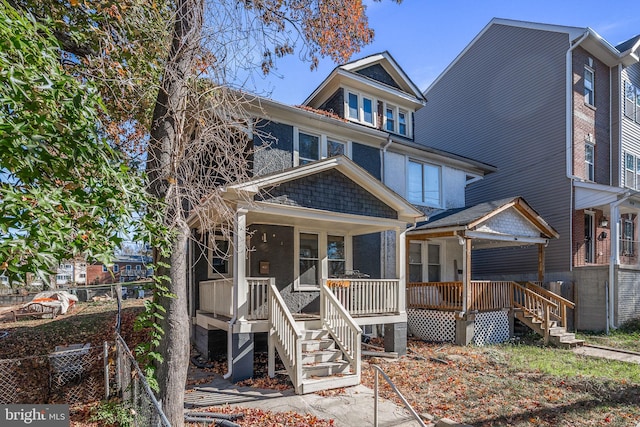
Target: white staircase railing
368,297
286,337
343,329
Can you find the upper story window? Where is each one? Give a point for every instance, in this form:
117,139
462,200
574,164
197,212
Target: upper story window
390,117
631,171
423,184
104,268
589,86
116,268
395,120
360,108
310,148
632,101
588,162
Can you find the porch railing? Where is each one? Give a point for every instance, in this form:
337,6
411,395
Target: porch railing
216,296
343,329
365,297
486,296
435,295
557,312
285,336
258,298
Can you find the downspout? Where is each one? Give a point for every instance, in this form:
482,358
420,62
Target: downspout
569,136
614,257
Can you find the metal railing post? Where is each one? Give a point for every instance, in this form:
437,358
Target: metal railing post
375,400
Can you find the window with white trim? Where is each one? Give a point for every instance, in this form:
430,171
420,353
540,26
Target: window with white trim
308,148
631,171
104,268
360,108
628,233
402,122
630,95
423,184
336,256
116,268
390,117
220,256
590,172
309,260
415,262
589,86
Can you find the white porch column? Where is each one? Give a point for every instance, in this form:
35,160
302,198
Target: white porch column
401,268
240,288
466,277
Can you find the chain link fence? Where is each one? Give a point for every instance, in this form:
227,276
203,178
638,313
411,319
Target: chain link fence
72,375
132,386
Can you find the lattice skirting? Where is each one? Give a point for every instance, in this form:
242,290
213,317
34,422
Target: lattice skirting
440,326
491,328
432,325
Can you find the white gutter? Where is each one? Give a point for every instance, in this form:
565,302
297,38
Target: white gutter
569,135
614,258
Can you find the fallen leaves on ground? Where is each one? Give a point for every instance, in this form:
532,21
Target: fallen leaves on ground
253,417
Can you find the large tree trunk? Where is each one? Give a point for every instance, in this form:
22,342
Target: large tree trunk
163,166
174,347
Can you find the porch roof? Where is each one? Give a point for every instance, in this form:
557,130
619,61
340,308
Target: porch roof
503,222
406,212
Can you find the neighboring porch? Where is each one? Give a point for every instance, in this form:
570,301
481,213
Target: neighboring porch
443,301
606,255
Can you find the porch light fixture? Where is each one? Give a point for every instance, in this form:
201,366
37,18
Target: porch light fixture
604,222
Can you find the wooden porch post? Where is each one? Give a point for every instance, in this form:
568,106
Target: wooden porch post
402,244
466,278
239,265
540,262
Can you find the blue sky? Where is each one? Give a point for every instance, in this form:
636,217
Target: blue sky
424,36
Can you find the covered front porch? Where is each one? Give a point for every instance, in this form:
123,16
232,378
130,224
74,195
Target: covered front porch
307,259
444,302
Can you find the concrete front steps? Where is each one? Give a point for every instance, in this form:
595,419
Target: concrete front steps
323,364
558,335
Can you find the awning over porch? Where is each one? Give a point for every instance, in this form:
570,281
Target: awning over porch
499,223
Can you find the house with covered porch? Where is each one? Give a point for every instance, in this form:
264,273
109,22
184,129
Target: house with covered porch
318,250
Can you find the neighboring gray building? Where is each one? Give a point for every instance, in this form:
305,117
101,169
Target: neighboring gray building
557,110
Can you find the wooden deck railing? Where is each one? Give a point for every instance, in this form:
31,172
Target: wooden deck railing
435,295
490,296
285,336
342,328
366,297
535,305
559,312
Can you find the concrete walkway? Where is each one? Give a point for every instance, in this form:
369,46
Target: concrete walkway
608,353
351,409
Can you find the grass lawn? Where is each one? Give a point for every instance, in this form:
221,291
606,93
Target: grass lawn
627,337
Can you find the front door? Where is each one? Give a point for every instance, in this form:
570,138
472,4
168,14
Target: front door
588,237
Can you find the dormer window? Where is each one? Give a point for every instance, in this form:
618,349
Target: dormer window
395,120
402,122
390,115
360,108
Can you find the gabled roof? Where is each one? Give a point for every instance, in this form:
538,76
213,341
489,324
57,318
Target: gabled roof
402,85
406,211
585,36
632,45
471,218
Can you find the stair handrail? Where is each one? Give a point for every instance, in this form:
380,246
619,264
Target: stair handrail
532,303
563,303
407,405
343,329
284,329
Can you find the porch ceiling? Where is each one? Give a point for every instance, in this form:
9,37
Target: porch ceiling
267,213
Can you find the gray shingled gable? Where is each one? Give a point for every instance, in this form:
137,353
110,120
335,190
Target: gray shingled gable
378,73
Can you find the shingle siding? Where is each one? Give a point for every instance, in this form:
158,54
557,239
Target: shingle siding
335,104
378,73
330,191
368,158
503,103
